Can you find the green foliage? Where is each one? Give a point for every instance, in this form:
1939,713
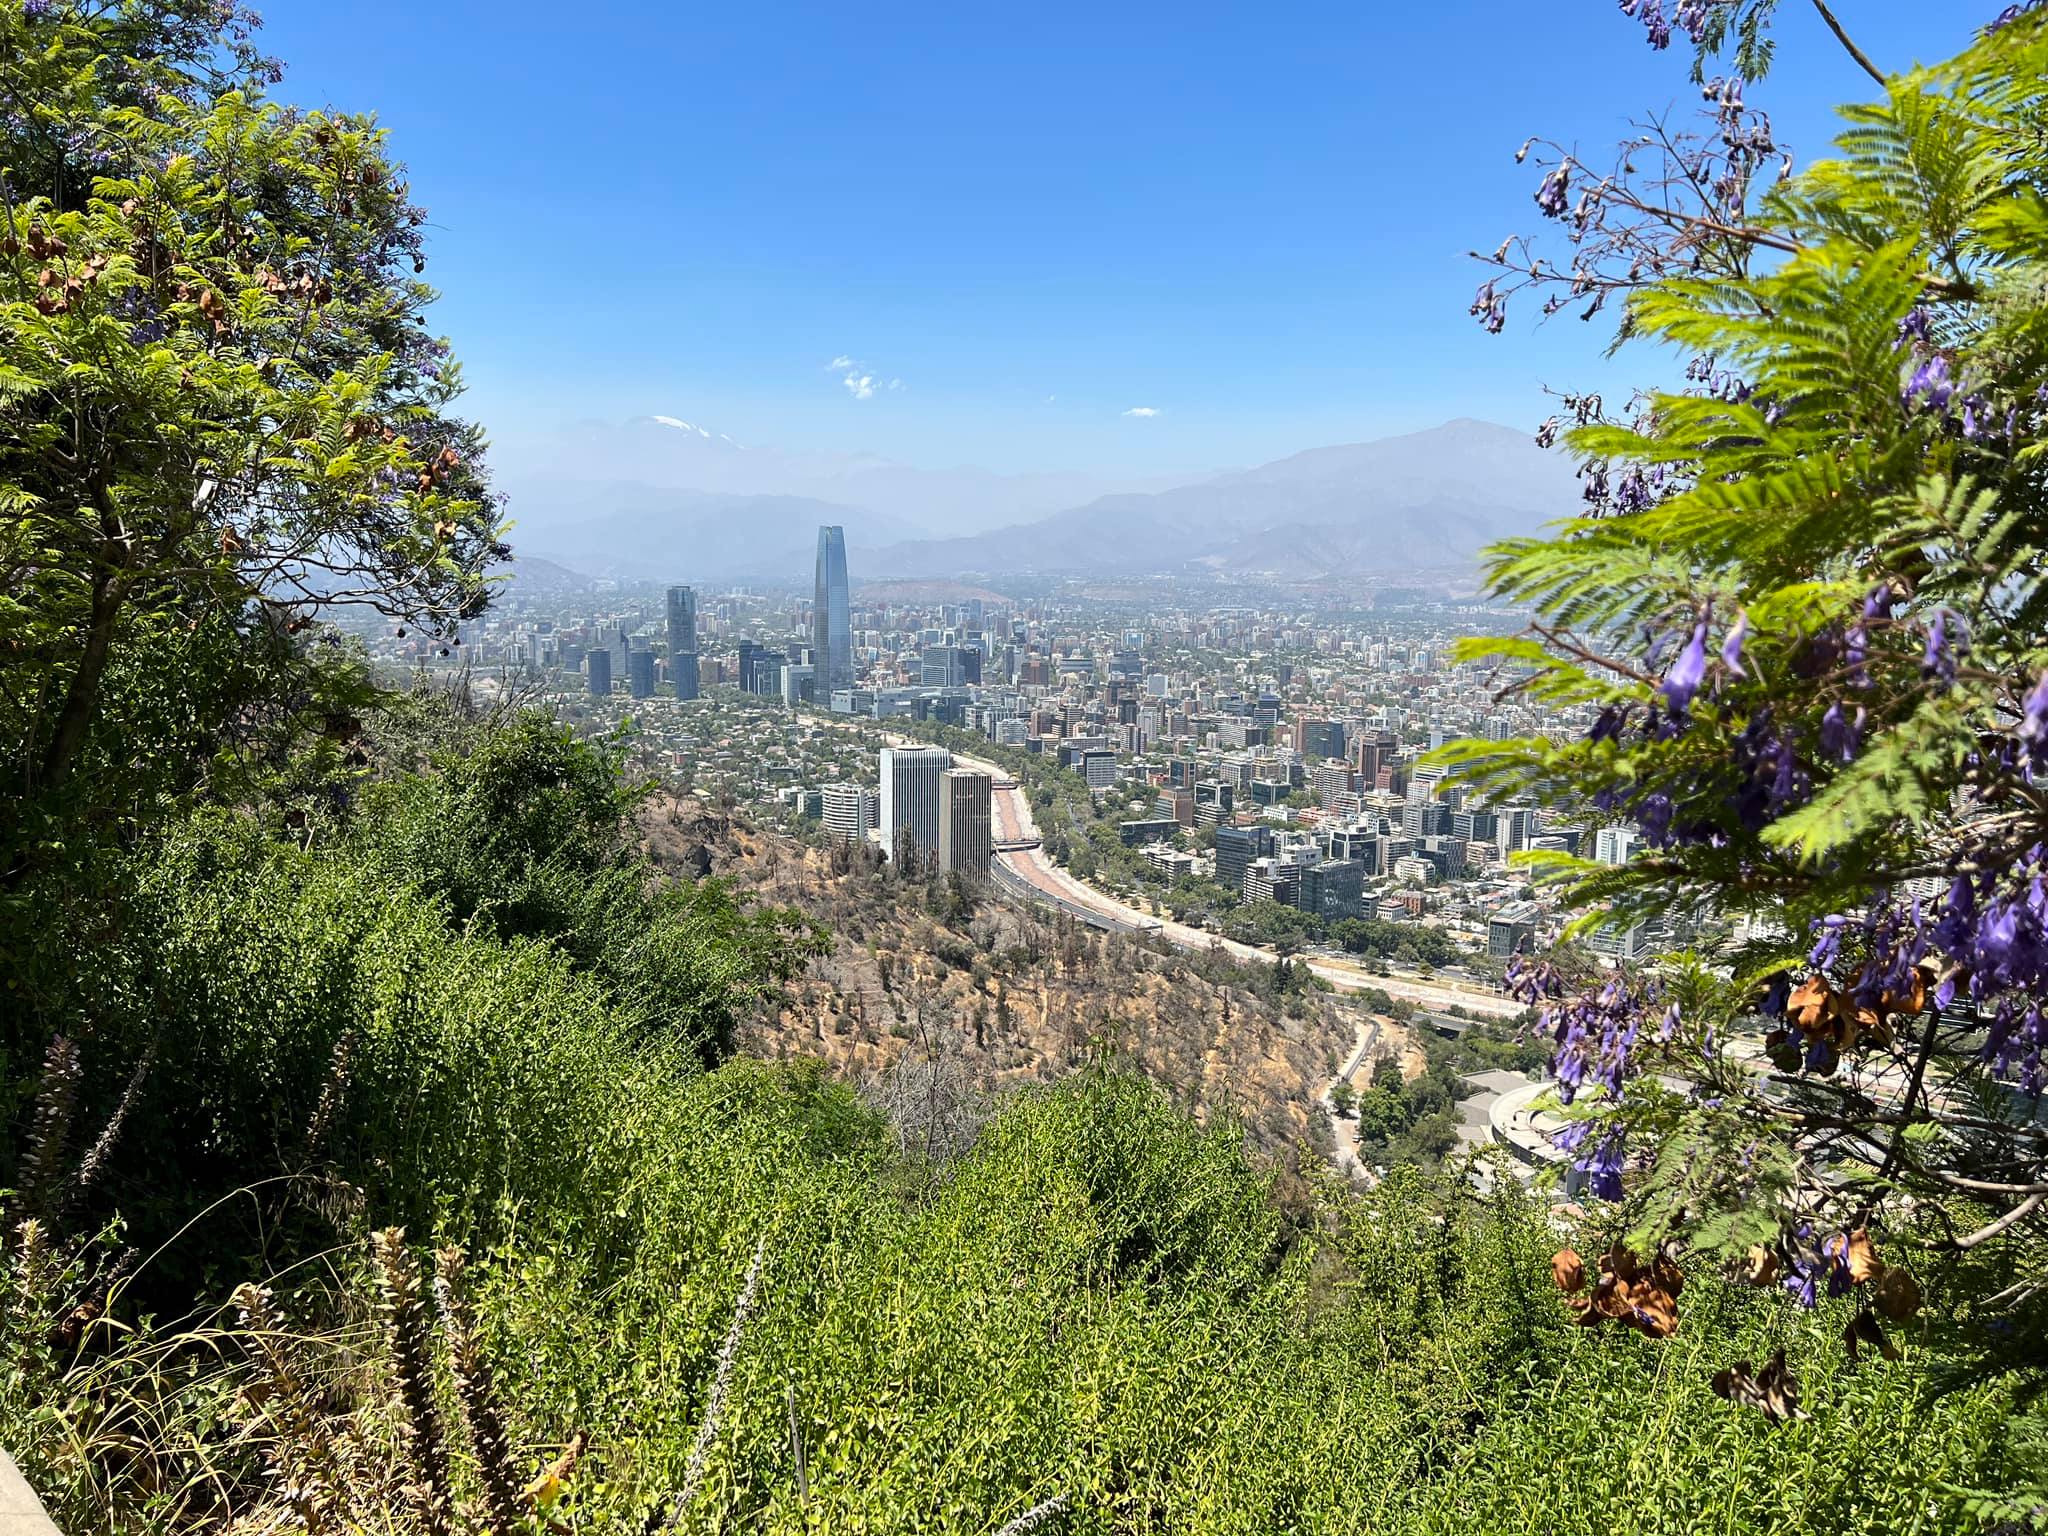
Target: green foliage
1405,941
518,830
325,963
220,408
1801,638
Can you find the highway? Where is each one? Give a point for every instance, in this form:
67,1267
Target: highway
1022,871
1027,870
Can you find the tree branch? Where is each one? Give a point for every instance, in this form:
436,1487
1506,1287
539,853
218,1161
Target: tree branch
1842,37
2011,1218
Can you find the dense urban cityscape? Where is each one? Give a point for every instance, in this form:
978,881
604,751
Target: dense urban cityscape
1238,760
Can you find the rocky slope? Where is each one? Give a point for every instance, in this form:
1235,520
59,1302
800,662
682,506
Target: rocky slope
935,998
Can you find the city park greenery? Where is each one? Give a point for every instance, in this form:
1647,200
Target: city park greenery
381,1161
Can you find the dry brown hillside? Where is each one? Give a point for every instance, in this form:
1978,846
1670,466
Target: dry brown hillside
938,994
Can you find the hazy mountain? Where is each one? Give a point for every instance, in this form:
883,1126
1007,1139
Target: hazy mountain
652,533
670,453
1425,500
533,576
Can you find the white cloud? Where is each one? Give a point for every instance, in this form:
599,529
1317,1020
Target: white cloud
854,375
1144,410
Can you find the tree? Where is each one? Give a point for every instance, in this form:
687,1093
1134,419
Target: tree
1382,1114
221,410
1802,619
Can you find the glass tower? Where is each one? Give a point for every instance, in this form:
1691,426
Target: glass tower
831,618
682,641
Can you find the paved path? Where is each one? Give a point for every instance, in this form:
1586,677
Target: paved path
21,1513
1345,1128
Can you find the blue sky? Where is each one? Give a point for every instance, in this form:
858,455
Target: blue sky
1250,219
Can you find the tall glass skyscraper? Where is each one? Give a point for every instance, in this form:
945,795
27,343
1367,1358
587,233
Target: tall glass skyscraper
831,618
682,641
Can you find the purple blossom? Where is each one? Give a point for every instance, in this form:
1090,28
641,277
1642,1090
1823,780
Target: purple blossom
1554,192
1653,816
1804,1266
1930,382
1489,307
1602,1166
1938,661
1841,737
2033,728
1687,673
1731,648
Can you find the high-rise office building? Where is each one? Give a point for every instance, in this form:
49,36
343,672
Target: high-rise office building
832,615
911,780
1236,848
965,820
850,809
682,641
1614,845
950,666
1323,738
640,674
600,664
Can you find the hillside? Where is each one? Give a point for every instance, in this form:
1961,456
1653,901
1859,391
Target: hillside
986,998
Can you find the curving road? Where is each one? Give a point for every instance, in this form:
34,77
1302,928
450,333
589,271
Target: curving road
1029,866
1024,870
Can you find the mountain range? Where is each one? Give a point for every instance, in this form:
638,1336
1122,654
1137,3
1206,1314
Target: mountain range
1427,500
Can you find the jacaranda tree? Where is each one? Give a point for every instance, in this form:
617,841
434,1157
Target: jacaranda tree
1803,624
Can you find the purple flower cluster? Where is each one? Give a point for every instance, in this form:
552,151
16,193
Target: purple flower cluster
2033,731
1938,661
1688,671
1687,16
1600,1158
1597,1034
1651,14
1930,386
1987,939
1812,1265
1490,308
